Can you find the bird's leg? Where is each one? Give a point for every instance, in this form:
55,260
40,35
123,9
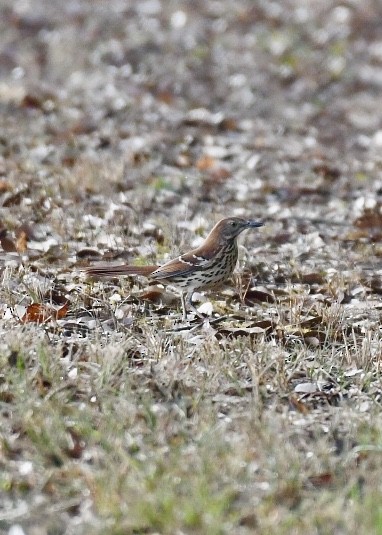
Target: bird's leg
186,298
191,306
184,307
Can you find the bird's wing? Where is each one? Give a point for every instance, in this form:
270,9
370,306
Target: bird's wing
182,265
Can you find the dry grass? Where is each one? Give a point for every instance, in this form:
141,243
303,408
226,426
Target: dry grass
140,429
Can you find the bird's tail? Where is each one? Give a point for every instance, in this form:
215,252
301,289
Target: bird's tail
115,271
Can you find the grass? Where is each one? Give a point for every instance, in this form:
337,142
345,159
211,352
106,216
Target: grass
199,434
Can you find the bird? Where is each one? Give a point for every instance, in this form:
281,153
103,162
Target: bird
204,267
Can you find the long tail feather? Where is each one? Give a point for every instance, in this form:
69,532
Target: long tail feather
111,271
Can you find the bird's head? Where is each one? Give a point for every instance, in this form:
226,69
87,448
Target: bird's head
229,228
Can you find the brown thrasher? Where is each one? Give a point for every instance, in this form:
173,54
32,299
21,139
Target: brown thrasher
207,266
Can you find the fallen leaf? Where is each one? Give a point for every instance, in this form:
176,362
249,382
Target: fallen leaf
13,198
165,95
326,171
249,520
312,278
229,123
371,218
41,313
76,445
21,242
321,480
205,162
42,384
4,186
219,174
7,244
234,332
298,404
153,295
31,101
28,230
85,253
6,396
311,322
257,295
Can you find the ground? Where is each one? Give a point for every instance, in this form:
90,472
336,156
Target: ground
127,130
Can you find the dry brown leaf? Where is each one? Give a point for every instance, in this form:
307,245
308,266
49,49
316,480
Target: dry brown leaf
267,325
371,218
205,162
219,174
4,186
314,321
21,242
41,313
6,396
326,171
42,384
154,295
312,278
229,123
7,244
13,199
86,252
32,101
28,230
321,480
76,445
256,295
165,95
233,332
298,404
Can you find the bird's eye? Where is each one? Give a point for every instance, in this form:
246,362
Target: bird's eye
233,223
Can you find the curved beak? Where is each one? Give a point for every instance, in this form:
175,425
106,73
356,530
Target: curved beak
254,224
